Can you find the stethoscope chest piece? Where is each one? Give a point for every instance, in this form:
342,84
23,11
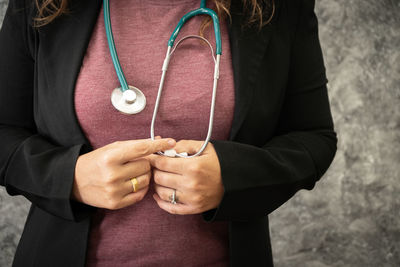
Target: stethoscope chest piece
130,101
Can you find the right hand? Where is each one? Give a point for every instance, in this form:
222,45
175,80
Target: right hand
102,176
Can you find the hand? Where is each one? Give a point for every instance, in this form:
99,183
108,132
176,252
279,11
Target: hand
197,180
102,177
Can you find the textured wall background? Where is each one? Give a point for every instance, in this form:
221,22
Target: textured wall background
352,217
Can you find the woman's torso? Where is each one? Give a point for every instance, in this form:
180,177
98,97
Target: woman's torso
143,234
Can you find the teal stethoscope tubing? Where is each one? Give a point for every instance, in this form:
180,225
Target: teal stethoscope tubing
111,45
121,77
201,11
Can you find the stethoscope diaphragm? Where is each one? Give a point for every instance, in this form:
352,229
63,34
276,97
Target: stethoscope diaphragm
130,101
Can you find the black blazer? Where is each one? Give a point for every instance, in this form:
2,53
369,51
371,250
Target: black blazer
282,138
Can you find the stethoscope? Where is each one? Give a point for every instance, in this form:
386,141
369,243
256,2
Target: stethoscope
131,100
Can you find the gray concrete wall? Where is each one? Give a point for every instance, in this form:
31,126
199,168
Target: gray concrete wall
351,218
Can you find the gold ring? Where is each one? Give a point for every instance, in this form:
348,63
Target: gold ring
135,185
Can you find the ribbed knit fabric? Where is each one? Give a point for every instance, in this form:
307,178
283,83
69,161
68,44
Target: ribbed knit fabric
143,234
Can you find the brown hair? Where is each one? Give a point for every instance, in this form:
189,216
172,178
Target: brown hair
259,12
48,10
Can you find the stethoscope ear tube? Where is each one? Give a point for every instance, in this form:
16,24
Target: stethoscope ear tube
217,59
201,11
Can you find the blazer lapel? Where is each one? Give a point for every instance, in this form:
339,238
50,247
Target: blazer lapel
248,46
63,44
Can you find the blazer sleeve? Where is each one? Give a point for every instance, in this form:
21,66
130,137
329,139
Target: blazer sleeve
257,180
30,164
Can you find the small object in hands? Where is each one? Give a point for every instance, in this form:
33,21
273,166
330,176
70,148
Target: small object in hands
183,154
173,197
135,185
172,153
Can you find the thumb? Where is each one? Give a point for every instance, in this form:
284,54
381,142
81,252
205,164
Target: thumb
141,148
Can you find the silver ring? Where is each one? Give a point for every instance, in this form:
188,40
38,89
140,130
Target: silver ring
173,197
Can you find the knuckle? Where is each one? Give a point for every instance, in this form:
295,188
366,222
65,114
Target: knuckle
109,179
193,185
142,166
160,163
142,148
167,195
158,177
182,144
106,159
194,168
146,165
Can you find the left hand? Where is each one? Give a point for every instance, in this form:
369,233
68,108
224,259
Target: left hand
197,180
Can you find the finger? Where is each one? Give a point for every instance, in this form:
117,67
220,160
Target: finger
143,181
167,164
133,149
133,198
166,193
177,208
189,146
135,168
150,157
167,179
